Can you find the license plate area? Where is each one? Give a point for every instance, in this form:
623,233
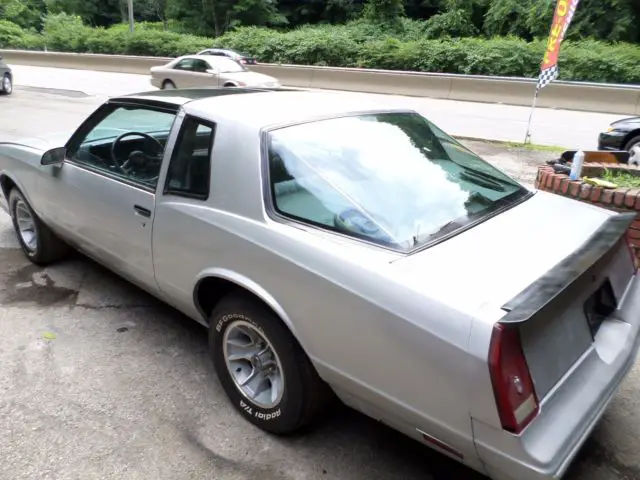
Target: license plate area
599,306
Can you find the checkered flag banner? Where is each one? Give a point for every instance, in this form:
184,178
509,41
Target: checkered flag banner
547,76
565,9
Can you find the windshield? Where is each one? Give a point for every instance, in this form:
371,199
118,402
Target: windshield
391,178
226,65
127,119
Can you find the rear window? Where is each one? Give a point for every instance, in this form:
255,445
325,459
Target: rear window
392,178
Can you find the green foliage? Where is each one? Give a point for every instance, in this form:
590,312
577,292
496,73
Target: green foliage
607,20
355,44
387,12
13,36
454,23
24,13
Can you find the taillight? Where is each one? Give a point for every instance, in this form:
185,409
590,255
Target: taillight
632,252
513,388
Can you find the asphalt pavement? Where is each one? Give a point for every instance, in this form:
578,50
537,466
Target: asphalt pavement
99,380
478,120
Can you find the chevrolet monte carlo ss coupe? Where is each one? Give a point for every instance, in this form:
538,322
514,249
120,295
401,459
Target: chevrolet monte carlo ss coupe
336,247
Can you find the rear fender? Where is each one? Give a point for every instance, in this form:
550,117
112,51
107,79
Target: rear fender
247,284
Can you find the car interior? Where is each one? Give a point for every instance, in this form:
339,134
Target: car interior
332,211
138,156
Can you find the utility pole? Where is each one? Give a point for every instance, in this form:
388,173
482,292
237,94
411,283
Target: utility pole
130,7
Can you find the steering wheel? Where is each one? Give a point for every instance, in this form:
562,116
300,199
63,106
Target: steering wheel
117,141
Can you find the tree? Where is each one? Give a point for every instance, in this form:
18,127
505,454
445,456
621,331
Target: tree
100,13
319,11
388,12
205,17
25,13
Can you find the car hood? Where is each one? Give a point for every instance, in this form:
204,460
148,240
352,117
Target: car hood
486,266
631,121
43,142
250,78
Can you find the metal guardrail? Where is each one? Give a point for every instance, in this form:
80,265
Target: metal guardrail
593,97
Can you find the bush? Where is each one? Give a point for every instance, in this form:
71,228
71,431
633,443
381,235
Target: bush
454,23
13,36
406,46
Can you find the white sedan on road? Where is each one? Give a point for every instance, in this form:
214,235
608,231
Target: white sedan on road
197,71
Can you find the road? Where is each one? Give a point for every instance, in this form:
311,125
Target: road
478,120
99,380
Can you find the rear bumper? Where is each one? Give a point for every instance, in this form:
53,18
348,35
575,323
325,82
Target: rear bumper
547,447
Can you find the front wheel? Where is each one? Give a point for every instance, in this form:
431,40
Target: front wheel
633,147
262,368
38,242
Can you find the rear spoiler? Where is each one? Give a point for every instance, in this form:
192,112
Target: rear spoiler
569,273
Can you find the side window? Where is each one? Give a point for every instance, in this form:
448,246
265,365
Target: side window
186,64
200,66
190,167
128,142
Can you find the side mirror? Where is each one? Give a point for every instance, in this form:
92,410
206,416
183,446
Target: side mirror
55,156
212,71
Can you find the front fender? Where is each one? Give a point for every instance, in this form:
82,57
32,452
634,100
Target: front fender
4,194
249,285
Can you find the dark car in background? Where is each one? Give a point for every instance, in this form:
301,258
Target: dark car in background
243,58
6,78
621,135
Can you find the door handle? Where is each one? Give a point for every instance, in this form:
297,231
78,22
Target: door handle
142,211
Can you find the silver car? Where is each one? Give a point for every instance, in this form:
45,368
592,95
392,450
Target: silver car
198,71
339,248
239,57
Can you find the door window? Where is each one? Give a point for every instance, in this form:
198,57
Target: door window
190,167
126,142
186,64
200,66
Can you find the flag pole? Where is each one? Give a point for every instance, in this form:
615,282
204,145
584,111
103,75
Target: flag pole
527,137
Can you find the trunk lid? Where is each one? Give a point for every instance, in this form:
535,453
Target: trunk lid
249,78
489,264
552,267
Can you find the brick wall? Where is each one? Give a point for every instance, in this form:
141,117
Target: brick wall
619,200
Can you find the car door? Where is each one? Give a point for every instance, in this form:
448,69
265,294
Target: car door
183,73
103,195
202,76
179,229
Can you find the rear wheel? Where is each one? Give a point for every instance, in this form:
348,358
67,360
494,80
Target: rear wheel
6,84
262,368
229,84
168,85
38,242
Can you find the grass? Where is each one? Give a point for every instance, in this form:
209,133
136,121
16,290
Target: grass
529,146
536,147
622,179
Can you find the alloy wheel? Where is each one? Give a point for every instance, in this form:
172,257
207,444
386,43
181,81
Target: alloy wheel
253,364
26,226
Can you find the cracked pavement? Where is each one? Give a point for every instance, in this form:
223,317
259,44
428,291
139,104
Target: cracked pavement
101,381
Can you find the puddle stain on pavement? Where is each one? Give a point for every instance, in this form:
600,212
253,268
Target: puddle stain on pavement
23,282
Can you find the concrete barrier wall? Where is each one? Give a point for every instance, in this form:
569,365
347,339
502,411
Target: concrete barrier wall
619,99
